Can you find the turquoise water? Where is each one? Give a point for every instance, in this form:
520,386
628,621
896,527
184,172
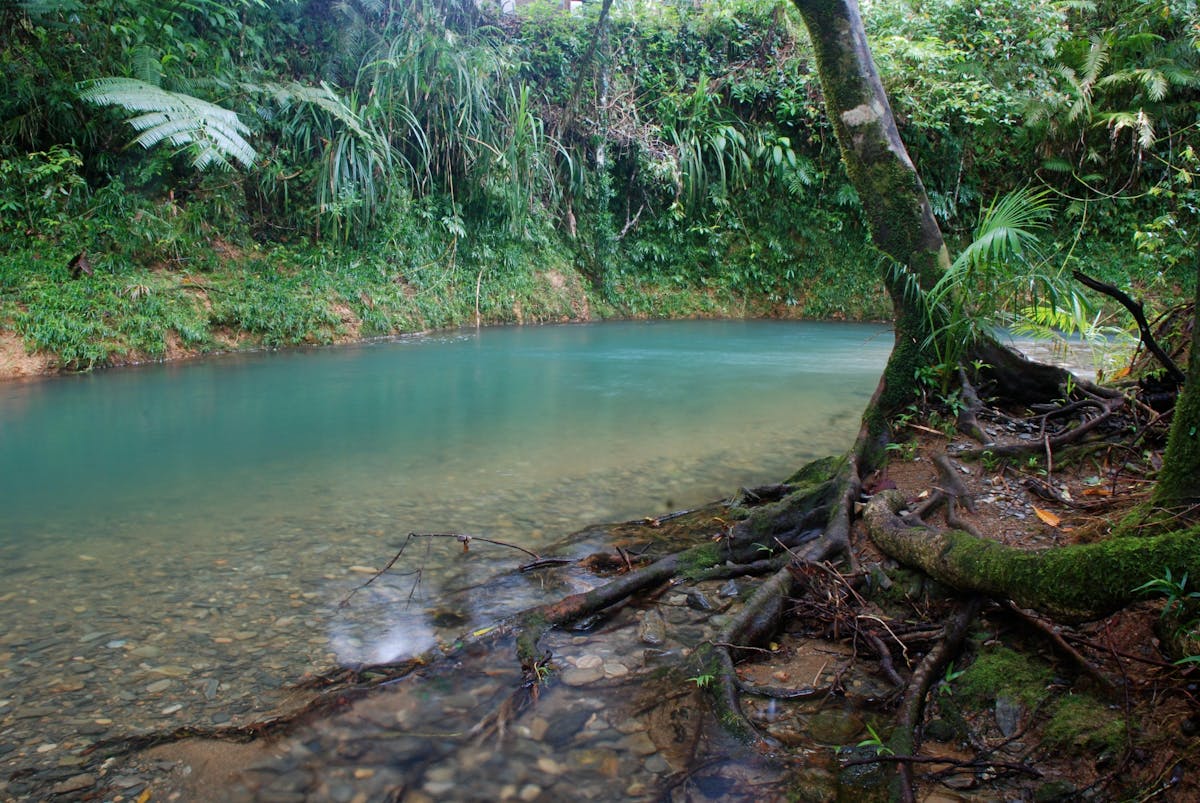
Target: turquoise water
176,538
364,431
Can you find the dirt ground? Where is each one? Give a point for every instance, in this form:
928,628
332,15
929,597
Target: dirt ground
15,363
1138,741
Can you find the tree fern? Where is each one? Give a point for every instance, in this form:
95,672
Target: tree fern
211,134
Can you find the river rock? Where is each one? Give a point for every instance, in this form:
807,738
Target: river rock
589,662
835,727
613,669
653,630
582,677
562,729
697,601
75,783
1008,715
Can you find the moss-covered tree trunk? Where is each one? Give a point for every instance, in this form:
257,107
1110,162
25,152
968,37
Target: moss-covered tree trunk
1179,480
893,197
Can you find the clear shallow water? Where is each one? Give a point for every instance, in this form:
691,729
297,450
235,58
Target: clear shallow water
199,522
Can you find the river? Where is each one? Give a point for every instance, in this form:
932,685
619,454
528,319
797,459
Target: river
176,538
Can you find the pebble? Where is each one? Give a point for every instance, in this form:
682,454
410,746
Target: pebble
697,601
589,662
537,728
76,783
549,766
159,685
563,729
640,744
653,630
126,781
530,792
171,671
582,677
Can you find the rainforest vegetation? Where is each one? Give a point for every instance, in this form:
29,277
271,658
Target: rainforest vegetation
201,175
269,173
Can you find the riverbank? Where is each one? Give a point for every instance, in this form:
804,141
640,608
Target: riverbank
246,299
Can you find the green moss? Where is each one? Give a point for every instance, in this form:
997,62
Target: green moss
1001,672
1082,724
817,471
811,785
698,558
1074,582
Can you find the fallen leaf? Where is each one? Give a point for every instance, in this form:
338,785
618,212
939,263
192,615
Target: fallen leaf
1097,492
1047,516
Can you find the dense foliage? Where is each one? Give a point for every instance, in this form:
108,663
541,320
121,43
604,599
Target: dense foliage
299,170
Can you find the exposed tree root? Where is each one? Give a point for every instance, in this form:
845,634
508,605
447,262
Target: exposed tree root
758,619
905,739
1071,583
1060,644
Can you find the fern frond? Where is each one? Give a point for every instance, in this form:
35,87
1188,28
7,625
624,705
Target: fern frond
214,135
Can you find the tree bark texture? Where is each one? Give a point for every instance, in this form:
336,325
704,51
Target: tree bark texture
892,195
1179,480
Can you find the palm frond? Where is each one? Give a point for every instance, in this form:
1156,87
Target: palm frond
1009,226
212,134
1138,122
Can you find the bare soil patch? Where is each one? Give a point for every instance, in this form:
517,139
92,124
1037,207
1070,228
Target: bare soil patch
17,363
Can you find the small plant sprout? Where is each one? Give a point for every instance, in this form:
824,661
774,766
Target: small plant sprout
876,742
1175,590
948,679
703,681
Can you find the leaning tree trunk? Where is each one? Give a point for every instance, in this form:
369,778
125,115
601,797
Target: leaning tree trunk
893,197
1179,480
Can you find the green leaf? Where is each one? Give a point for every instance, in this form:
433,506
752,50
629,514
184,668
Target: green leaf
214,135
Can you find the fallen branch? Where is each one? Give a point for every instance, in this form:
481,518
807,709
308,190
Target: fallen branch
1139,316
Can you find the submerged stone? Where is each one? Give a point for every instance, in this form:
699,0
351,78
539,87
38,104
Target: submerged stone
697,601
1008,715
653,630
